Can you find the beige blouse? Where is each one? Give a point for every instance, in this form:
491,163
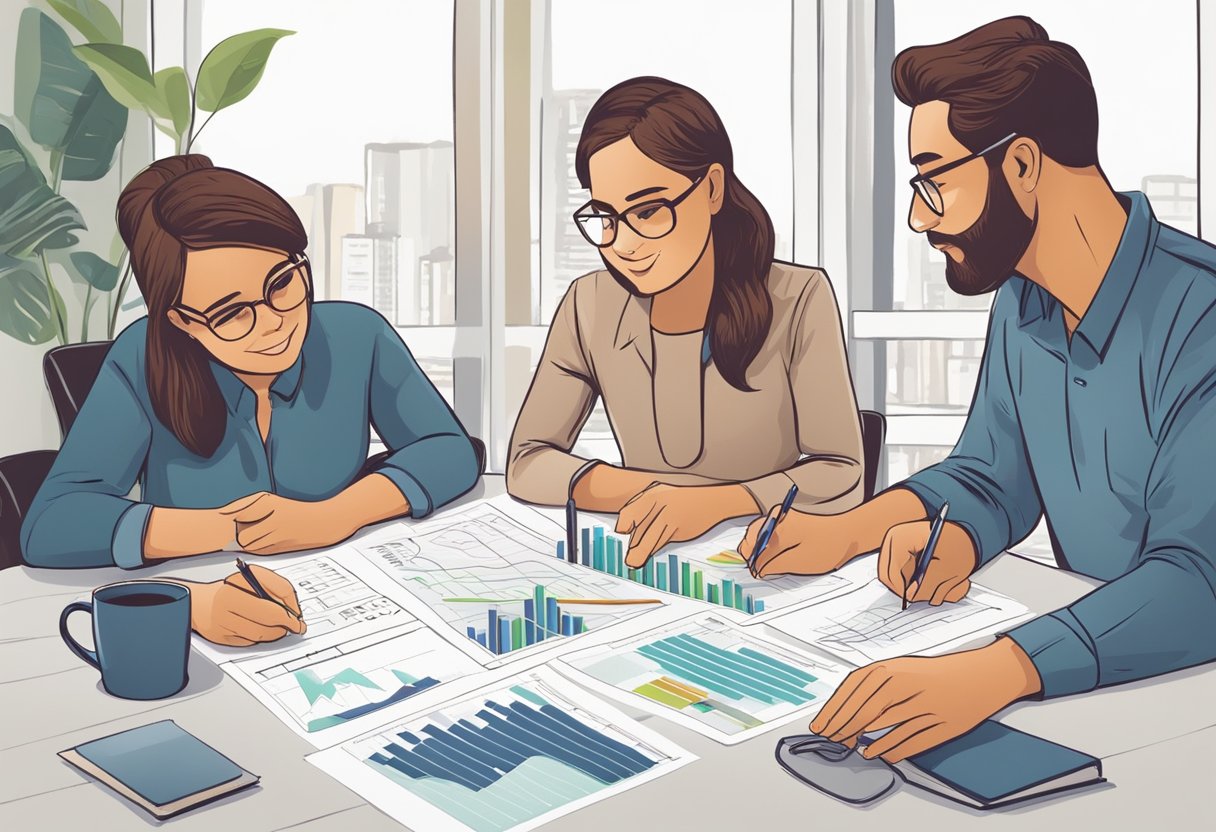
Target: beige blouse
675,415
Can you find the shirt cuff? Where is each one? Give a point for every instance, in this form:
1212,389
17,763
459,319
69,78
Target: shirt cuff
127,546
933,500
415,494
1061,652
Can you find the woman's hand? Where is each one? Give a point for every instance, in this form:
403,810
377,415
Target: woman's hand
270,524
664,513
230,612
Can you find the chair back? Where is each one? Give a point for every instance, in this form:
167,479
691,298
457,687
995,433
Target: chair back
873,435
70,372
20,477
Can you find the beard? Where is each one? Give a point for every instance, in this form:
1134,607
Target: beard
992,246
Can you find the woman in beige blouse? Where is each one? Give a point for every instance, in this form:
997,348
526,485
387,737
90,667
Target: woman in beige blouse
723,372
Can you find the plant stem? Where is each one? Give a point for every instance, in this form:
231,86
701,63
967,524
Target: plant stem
196,132
56,169
84,319
61,325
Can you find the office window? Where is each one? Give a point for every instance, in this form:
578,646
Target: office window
353,124
738,57
1148,141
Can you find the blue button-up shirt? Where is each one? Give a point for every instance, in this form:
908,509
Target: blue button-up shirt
1112,435
353,371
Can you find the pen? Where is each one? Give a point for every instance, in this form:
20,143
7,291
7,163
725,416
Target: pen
922,560
571,531
767,531
258,589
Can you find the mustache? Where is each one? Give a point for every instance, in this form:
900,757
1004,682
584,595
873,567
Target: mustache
938,238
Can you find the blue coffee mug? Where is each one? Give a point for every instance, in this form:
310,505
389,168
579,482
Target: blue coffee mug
141,630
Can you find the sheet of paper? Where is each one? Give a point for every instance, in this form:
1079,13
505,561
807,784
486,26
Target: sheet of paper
512,756
724,580
334,687
332,598
492,584
868,625
710,675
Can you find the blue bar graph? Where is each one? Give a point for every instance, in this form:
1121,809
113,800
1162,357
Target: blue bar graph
561,550
542,618
504,635
470,759
492,630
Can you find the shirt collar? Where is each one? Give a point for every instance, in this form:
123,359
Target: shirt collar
285,386
1098,324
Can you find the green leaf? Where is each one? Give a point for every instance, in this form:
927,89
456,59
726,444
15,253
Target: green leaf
25,305
124,71
233,68
92,18
99,274
173,87
33,218
63,103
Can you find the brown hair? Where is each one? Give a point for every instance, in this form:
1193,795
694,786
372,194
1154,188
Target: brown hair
675,126
1007,77
172,206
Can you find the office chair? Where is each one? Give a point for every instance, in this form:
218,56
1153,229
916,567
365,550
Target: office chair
873,434
20,476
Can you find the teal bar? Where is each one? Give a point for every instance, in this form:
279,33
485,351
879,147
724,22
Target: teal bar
698,587
661,574
538,598
579,626
631,573
728,592
712,589
685,580
648,573
739,598
597,548
751,608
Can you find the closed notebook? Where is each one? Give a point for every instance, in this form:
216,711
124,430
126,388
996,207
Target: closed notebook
994,765
160,767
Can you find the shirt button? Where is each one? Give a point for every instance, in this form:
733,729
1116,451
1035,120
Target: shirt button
1077,380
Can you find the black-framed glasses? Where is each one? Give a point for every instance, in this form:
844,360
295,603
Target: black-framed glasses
928,190
287,286
652,220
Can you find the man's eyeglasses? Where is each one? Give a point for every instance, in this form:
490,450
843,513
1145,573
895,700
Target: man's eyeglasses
287,286
652,220
924,185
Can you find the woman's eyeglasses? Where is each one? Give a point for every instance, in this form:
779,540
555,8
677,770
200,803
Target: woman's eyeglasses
652,220
287,286
928,190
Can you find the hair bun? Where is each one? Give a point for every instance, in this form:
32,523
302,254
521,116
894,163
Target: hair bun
141,191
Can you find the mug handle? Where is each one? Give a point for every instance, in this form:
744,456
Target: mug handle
82,652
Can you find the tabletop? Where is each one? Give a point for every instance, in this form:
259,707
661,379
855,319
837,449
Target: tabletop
1156,738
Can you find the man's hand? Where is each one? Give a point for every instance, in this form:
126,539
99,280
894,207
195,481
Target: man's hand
801,544
929,699
946,579
230,612
665,513
269,524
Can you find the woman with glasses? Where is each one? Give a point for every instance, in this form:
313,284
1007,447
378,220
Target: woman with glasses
240,407
722,371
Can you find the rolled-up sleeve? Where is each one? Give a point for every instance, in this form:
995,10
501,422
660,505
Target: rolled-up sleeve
987,478
81,516
829,476
1161,615
432,460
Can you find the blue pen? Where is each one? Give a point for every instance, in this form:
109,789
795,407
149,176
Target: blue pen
767,531
260,591
922,561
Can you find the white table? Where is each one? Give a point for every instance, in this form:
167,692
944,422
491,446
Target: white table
1157,739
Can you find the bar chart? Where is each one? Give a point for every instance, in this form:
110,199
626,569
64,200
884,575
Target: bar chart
605,552
710,569
716,677
543,618
492,580
520,754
